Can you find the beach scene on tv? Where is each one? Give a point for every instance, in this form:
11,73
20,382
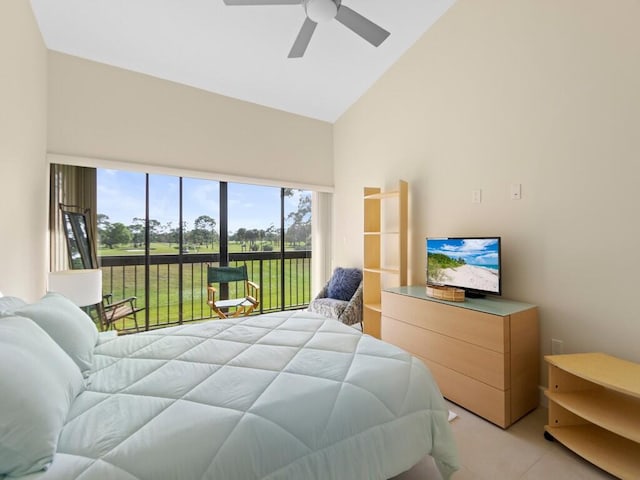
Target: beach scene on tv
464,262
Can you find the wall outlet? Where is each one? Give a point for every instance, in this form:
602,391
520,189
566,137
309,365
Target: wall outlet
516,191
557,346
476,196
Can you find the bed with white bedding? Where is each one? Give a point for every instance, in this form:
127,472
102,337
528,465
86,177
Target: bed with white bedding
287,395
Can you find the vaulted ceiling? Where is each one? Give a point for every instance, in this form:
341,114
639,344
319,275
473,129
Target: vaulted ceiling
239,51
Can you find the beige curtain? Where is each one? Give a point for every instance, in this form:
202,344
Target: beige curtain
321,205
74,186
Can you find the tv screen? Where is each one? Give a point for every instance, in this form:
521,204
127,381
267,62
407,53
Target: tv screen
470,263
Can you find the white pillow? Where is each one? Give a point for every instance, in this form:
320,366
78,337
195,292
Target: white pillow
67,324
38,382
9,304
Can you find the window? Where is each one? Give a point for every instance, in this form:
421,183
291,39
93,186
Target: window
157,234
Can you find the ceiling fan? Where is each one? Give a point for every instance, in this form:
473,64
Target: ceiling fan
320,11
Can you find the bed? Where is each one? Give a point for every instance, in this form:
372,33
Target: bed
288,395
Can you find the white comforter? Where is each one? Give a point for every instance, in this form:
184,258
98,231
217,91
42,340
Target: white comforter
281,396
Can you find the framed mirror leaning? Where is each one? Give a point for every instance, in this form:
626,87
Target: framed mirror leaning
82,255
80,245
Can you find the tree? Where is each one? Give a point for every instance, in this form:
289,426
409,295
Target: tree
271,234
205,229
103,224
154,230
169,233
299,229
252,236
137,231
102,220
240,235
117,234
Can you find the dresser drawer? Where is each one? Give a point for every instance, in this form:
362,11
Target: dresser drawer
486,401
477,328
486,366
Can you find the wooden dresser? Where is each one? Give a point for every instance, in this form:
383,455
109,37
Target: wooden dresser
483,353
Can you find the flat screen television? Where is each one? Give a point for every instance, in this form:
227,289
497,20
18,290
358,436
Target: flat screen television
470,263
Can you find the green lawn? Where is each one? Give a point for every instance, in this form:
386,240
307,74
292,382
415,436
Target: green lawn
164,300
172,249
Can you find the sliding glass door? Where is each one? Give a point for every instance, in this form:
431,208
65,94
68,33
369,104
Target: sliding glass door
158,234
121,239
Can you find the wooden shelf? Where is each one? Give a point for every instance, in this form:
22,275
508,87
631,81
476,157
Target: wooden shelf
602,369
610,410
376,307
612,453
381,195
396,232
395,271
380,221
594,409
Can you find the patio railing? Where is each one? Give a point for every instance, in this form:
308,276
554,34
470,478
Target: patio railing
177,283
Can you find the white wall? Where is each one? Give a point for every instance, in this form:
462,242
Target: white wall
104,112
545,94
23,138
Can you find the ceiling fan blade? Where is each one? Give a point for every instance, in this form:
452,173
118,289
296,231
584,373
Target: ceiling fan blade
262,2
368,30
303,39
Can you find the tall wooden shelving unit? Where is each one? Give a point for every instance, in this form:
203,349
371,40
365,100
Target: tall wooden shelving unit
377,240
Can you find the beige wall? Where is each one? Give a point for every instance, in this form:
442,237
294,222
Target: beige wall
541,93
104,112
23,140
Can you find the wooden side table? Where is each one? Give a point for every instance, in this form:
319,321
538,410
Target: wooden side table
594,409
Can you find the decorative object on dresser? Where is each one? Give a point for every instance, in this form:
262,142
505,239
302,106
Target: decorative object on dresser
483,352
594,409
385,240
450,294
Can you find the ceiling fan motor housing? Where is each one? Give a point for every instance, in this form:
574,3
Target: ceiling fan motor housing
321,11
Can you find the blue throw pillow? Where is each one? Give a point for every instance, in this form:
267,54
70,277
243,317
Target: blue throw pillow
344,283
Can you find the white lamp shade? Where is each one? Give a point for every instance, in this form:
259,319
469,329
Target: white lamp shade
82,287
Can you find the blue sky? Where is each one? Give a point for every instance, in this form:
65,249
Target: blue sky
121,197
474,251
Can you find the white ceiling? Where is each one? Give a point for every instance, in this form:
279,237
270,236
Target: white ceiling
239,51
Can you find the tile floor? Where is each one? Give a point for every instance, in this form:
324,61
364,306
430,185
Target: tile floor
488,452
